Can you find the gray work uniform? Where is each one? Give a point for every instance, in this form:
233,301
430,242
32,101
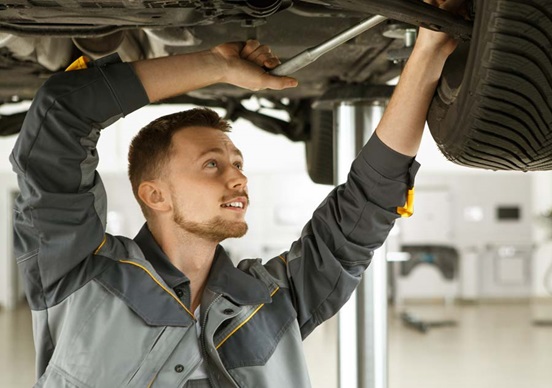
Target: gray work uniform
109,311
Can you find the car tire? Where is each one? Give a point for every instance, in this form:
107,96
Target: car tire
319,148
493,106
320,145
11,124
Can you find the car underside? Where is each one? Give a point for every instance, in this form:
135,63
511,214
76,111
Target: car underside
38,38
500,39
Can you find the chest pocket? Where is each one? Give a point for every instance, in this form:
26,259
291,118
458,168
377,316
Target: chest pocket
152,362
253,339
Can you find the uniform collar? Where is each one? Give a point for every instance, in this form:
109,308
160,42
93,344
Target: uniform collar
224,278
160,262
240,287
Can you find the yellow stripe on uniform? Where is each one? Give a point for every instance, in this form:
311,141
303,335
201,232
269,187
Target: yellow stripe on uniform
159,284
80,63
244,322
152,381
101,245
408,208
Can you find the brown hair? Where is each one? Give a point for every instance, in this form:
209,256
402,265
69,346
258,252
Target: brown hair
150,149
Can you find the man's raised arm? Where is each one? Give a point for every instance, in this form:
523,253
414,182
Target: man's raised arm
236,63
324,266
402,124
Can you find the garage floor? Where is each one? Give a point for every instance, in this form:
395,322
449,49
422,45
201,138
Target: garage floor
493,345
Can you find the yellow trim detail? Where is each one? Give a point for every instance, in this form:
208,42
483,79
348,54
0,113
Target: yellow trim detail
284,260
244,322
79,64
151,382
408,208
159,284
101,245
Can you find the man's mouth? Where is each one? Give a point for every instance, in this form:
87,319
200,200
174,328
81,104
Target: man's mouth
237,200
233,204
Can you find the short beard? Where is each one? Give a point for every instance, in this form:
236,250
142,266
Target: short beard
215,230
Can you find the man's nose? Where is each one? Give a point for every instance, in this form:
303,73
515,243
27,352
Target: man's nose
237,179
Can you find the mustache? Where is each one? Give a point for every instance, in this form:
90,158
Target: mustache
234,194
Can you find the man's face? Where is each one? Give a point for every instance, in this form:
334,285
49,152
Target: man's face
208,187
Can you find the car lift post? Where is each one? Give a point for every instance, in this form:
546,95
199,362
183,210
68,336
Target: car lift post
362,322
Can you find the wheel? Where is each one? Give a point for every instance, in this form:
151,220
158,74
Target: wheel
319,148
493,107
11,124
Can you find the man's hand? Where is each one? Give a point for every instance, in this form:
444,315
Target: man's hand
246,65
238,63
402,124
428,39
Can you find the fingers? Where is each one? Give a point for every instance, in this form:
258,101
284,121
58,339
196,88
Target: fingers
459,7
259,54
250,70
250,46
279,83
453,5
270,62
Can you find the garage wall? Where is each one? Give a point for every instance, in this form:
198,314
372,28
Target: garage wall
462,211
542,204
475,193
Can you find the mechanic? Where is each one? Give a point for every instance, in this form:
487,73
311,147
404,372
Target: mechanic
168,308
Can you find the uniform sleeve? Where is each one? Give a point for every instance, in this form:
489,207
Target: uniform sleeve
60,214
325,265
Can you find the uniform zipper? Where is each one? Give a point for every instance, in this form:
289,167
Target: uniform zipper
202,337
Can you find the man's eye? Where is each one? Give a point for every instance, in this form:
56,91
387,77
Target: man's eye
239,165
211,164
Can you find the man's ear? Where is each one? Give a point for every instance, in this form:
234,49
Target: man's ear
155,195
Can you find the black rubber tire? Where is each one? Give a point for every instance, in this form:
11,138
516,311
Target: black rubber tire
493,108
11,124
319,148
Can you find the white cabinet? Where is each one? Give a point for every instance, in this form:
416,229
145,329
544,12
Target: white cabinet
505,271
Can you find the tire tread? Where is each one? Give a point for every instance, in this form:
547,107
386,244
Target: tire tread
505,111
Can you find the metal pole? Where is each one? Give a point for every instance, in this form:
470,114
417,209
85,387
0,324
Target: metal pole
345,149
372,293
363,320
